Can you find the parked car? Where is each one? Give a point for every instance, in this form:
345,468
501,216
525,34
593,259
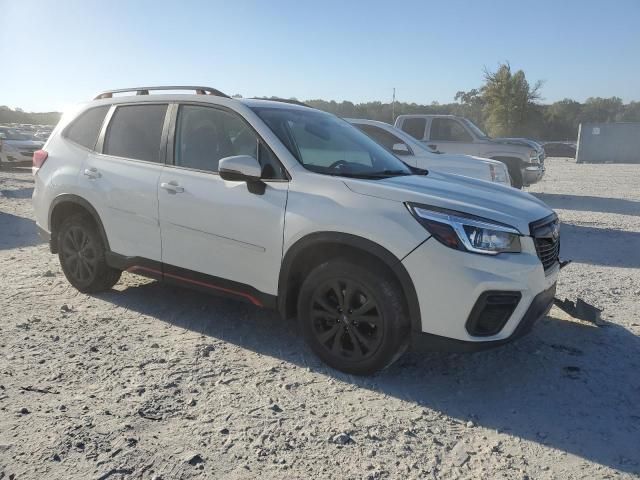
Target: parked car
42,135
291,208
16,147
560,149
417,154
452,134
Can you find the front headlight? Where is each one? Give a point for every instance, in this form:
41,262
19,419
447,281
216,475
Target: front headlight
499,174
534,157
465,232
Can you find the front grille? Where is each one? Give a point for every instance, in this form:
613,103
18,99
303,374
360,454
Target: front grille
546,236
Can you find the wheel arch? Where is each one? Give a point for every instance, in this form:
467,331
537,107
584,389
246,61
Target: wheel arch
69,204
315,248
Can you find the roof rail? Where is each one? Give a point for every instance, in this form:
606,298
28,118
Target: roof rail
145,91
283,100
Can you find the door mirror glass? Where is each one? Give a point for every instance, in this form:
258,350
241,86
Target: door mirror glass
400,149
239,168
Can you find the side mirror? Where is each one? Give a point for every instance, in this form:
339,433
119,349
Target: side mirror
239,168
400,149
243,168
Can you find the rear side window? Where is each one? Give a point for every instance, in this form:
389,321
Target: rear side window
415,127
135,132
85,129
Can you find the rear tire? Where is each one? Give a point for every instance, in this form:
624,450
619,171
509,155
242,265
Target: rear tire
353,317
82,255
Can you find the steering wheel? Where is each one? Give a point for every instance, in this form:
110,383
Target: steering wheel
338,163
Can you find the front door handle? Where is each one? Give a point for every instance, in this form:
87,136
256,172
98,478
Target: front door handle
92,173
172,187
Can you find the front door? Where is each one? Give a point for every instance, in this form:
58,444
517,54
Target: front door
448,135
215,233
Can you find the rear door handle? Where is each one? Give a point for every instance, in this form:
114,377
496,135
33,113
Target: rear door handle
92,173
172,187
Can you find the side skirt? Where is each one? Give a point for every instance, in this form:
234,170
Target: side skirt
191,279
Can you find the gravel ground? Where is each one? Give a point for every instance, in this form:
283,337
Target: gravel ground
150,381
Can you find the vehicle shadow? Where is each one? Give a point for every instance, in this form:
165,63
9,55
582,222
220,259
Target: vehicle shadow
567,385
600,246
590,204
17,232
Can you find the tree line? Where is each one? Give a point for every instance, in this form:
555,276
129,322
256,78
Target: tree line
505,105
7,115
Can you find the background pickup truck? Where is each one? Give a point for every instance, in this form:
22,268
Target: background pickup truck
452,134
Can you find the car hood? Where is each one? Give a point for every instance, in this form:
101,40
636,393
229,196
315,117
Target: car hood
465,158
464,194
518,141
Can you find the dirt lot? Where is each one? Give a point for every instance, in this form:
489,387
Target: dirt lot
149,381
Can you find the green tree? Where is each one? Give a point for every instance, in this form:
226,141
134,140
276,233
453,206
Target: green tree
561,120
601,110
509,100
631,113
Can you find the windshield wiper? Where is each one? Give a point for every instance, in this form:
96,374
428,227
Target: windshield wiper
367,175
390,173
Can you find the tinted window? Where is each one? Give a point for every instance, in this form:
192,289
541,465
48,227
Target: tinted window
135,132
384,138
448,130
205,135
86,128
415,127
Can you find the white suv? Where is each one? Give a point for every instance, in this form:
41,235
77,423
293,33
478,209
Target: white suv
292,208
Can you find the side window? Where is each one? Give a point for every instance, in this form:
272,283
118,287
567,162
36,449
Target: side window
384,138
85,129
205,135
447,129
135,132
415,127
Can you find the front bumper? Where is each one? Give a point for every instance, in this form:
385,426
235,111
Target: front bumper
539,307
532,173
449,283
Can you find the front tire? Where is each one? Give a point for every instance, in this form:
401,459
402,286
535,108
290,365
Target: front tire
82,255
516,178
353,317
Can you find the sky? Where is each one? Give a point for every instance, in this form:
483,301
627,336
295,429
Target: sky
56,53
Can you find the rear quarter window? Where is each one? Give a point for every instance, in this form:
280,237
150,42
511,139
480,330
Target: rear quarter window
135,132
415,127
85,129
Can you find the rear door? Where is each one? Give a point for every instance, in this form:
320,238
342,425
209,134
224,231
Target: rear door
218,234
450,136
121,178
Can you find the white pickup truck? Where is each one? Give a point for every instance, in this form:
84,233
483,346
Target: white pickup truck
452,134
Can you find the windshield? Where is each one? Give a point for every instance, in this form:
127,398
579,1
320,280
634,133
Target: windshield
475,128
323,143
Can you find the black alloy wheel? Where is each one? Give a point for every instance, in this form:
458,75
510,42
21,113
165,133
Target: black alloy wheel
353,317
79,254
81,251
346,319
